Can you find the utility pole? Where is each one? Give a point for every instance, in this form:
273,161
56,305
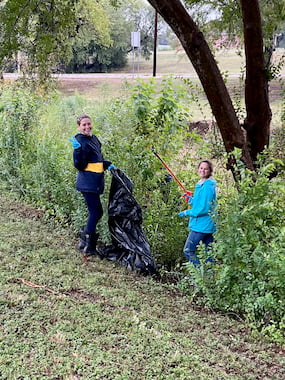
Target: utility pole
154,45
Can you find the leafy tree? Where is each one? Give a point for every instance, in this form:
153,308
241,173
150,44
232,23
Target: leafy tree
252,136
142,19
43,30
52,32
90,54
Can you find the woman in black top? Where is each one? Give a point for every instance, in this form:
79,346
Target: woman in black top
89,162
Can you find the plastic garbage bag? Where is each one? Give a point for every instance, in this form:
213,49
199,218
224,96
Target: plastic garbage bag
129,244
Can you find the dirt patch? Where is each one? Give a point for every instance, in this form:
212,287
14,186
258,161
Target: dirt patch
93,86
70,87
89,87
81,295
201,127
276,90
24,210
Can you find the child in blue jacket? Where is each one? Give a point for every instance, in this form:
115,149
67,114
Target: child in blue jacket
201,223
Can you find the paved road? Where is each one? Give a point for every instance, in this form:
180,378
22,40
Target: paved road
108,75
114,76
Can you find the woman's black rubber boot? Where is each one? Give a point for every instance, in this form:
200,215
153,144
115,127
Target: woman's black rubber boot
90,244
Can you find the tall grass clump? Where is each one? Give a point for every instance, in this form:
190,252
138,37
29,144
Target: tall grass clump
18,113
34,160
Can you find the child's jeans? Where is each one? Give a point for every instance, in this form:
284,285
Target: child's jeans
194,238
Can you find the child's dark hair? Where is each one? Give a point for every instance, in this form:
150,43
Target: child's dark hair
82,116
211,167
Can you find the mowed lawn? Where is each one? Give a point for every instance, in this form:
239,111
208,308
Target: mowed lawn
62,318
176,62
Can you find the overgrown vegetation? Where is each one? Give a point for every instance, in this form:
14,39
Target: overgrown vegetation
36,162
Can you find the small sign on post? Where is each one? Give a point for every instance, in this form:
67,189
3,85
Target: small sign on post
136,39
136,43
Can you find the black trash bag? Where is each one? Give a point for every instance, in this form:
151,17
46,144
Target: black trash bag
129,245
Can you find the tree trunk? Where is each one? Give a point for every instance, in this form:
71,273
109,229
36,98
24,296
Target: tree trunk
258,118
198,51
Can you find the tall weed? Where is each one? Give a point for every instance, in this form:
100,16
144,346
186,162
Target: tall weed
18,114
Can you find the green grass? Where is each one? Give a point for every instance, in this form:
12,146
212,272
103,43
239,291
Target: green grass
172,62
96,320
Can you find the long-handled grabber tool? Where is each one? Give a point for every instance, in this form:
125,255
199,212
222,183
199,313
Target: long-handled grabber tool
187,193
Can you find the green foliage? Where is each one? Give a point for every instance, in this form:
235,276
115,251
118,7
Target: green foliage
18,114
91,52
41,33
161,112
229,16
33,154
39,30
152,116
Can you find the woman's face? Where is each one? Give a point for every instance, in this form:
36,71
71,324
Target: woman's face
85,126
204,170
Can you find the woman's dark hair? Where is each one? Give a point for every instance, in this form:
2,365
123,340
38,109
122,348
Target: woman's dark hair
211,167
82,116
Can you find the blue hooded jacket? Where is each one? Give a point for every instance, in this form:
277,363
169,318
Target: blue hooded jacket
203,207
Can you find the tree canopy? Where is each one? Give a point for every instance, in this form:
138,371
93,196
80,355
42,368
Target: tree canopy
92,54
43,30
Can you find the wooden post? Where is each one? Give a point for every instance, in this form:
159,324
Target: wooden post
155,45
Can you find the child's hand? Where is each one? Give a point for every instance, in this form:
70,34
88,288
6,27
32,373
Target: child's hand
75,143
188,197
182,214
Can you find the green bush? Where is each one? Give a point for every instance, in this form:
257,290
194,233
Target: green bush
151,116
18,113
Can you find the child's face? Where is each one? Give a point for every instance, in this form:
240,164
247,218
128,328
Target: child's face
204,170
85,126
